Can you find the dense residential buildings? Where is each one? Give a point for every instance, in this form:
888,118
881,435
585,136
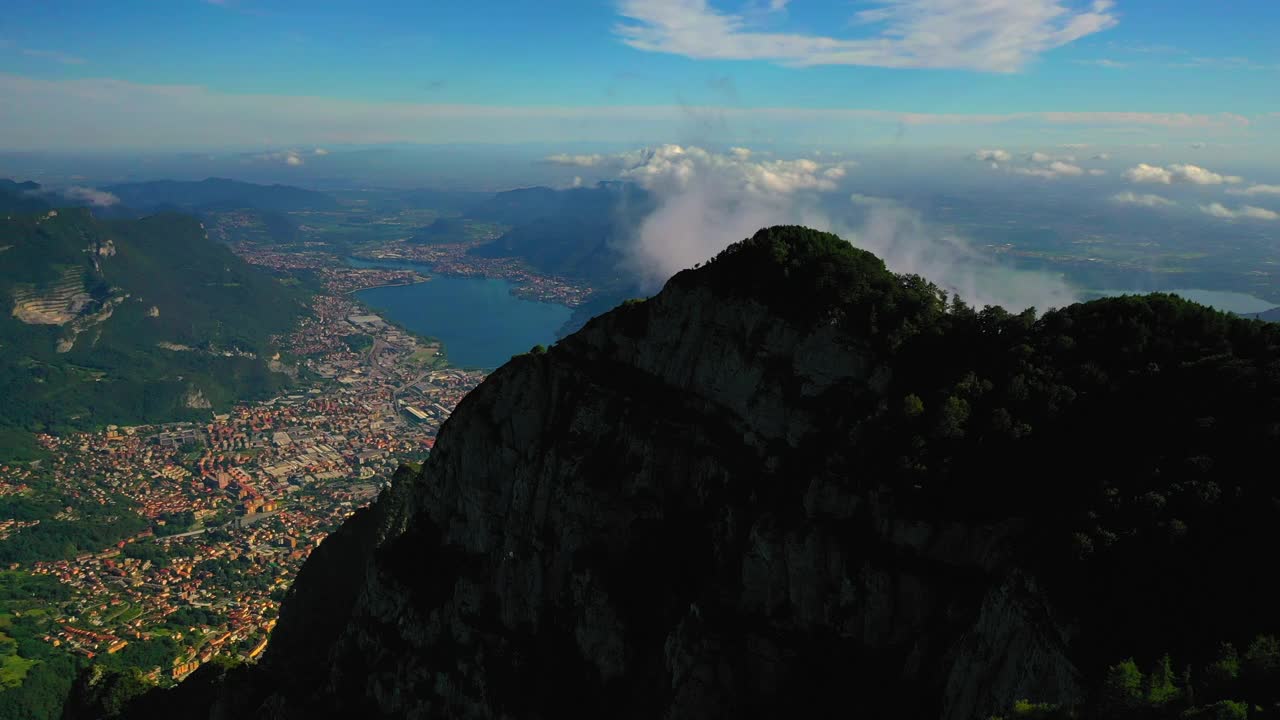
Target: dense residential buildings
234,504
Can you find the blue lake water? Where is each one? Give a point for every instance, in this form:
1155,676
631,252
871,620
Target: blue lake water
1232,302
479,321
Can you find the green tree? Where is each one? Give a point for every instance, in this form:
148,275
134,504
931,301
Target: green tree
1224,671
1122,689
952,419
1160,687
1221,710
1261,669
912,406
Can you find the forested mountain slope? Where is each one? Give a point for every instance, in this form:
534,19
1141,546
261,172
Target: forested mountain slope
129,321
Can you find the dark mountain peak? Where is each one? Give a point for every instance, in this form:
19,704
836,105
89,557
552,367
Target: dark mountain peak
791,484
7,185
21,197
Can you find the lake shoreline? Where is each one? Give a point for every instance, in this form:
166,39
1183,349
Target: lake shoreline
478,320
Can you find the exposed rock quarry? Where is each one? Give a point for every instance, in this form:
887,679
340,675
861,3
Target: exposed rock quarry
196,400
61,303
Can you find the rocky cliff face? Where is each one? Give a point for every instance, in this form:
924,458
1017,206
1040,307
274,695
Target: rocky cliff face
658,518
638,523
795,485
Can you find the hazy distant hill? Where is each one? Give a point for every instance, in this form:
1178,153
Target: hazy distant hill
443,230
220,193
129,321
573,232
1272,315
20,197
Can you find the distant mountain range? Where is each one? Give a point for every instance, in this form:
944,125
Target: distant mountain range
576,233
219,193
1272,315
126,320
20,197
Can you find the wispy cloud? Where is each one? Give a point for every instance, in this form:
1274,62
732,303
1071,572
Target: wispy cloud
107,112
991,36
1052,171
995,157
1225,63
1144,200
92,196
292,158
575,160
58,57
1244,212
1105,63
1254,190
1177,173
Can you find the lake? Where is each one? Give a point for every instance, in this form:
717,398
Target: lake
479,321
1232,302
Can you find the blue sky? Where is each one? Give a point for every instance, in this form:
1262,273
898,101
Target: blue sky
283,73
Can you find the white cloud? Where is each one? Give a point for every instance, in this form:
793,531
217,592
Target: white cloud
1105,63
575,160
870,200
1168,175
1244,212
1097,172
992,156
1102,156
908,244
1039,157
1256,190
707,201
93,196
320,151
1052,171
292,158
673,165
992,36
1145,200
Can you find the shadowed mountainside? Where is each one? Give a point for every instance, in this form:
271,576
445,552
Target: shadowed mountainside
793,481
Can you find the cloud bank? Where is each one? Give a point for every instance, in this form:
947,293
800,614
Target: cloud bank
1145,200
707,200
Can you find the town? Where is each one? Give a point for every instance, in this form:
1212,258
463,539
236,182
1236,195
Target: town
234,505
